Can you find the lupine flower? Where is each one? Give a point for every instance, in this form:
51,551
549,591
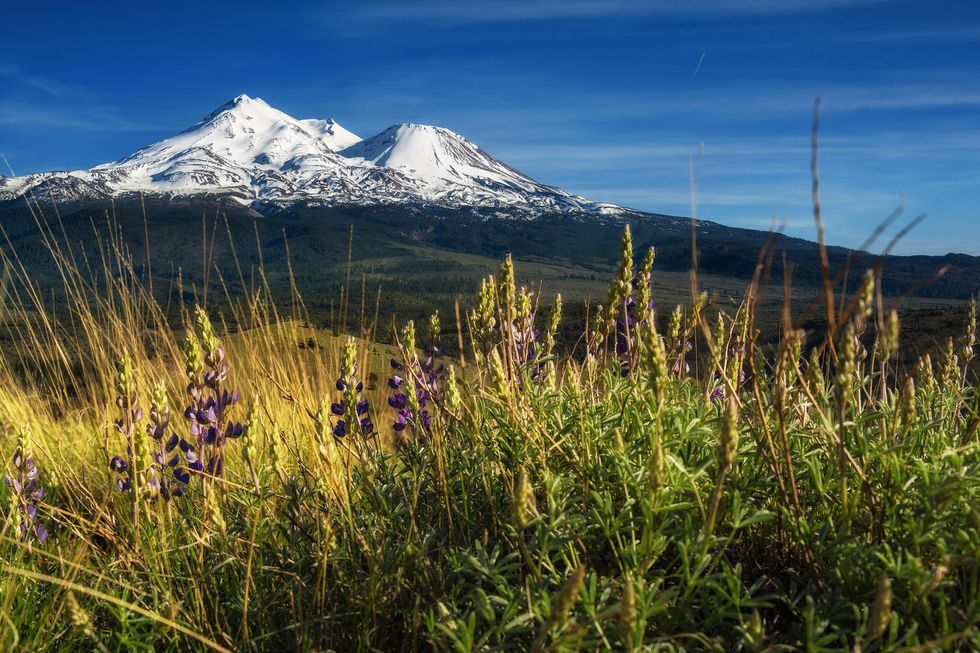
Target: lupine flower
950,369
720,389
643,283
411,396
847,373
553,321
888,340
970,336
482,320
524,333
133,466
454,400
674,328
655,359
433,370
210,401
622,284
26,492
352,408
167,477
728,442
623,314
507,290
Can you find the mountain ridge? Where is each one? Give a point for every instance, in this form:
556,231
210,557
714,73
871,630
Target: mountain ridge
264,158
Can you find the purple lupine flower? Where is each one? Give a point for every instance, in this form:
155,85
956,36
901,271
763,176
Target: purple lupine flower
166,476
27,492
404,416
720,391
352,407
133,465
210,401
422,379
627,327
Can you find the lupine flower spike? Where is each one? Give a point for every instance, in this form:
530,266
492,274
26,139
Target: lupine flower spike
210,402
133,466
167,477
352,409
411,393
26,492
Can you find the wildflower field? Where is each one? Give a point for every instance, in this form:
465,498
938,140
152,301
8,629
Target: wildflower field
223,476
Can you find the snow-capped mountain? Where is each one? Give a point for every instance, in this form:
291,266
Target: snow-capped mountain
260,156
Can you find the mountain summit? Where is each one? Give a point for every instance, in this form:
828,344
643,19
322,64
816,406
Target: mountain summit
262,157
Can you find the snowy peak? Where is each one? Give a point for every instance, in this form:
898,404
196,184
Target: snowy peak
243,131
435,154
243,104
251,151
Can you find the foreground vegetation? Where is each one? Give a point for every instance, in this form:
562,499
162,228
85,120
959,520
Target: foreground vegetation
665,484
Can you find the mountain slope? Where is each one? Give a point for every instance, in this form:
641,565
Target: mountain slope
262,157
453,171
331,133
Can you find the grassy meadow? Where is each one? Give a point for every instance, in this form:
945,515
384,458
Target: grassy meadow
216,473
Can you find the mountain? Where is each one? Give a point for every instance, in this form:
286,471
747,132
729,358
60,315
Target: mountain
452,171
263,158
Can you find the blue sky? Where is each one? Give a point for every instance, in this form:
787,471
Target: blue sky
607,99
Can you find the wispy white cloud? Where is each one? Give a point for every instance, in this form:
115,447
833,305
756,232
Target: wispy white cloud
66,117
453,12
32,100
14,73
948,34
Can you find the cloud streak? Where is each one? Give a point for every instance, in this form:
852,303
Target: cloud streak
69,117
451,12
